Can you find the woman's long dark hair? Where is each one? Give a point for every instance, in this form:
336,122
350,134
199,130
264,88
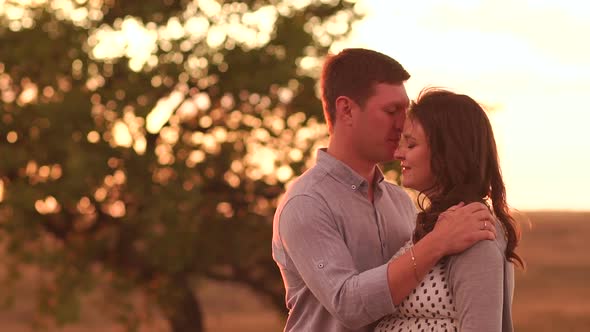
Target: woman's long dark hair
464,161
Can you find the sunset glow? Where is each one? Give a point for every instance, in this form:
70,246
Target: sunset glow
525,61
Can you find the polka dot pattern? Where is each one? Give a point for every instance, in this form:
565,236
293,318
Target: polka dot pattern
428,308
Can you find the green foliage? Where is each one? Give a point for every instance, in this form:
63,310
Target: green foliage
97,191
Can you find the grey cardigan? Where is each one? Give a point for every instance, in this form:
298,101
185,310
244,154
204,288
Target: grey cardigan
483,268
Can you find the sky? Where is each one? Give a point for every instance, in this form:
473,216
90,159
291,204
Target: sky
528,62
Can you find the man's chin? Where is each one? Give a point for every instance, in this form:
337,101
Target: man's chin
387,159
390,156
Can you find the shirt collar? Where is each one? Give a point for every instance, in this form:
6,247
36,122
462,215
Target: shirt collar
343,173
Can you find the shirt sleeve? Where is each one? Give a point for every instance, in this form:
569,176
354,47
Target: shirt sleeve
320,255
476,279
410,210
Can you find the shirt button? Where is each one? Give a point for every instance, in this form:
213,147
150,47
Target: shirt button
353,187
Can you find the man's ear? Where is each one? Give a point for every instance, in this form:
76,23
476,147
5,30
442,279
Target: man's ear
344,110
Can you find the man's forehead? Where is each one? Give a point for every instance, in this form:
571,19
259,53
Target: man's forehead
394,94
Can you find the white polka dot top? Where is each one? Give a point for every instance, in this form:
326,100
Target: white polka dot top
429,307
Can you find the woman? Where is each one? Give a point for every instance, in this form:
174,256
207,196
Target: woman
448,154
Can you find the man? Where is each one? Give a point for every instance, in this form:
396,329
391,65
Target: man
339,224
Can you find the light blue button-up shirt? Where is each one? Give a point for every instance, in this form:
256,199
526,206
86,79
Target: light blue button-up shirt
332,246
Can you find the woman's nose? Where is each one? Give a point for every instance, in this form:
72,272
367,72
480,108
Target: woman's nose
399,153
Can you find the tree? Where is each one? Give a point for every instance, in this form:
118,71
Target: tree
145,144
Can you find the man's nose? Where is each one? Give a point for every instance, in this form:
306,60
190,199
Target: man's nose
399,121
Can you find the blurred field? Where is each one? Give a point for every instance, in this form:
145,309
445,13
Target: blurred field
551,295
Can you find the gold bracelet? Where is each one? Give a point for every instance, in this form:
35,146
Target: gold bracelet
414,263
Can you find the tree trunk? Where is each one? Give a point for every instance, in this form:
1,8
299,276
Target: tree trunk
180,306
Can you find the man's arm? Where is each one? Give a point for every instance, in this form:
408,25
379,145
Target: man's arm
454,232
321,257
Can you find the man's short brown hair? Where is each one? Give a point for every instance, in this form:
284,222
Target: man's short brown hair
354,72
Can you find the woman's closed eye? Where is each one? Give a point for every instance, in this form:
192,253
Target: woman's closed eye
407,142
